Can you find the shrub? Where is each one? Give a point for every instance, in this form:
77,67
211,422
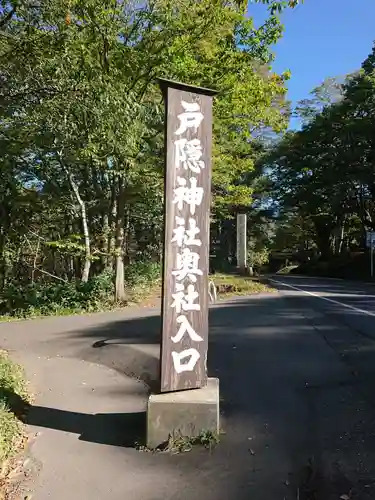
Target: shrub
59,298
12,390
141,272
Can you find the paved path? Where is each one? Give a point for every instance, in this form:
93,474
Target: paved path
297,377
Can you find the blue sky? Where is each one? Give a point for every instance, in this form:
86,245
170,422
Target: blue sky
322,38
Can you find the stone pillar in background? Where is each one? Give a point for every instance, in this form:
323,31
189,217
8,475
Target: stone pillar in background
242,242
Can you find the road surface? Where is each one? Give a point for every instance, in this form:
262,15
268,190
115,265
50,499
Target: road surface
297,376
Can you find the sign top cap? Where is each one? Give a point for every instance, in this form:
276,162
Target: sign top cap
164,83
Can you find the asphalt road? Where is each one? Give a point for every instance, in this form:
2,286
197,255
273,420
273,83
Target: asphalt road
296,370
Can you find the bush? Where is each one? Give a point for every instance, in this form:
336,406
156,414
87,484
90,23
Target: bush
257,258
231,284
140,273
349,266
141,277
59,298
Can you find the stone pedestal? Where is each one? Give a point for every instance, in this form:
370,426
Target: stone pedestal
187,413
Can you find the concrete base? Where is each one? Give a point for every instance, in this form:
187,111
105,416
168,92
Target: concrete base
187,413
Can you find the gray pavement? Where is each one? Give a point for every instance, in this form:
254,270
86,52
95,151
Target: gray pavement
296,373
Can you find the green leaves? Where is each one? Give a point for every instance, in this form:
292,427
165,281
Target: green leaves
277,6
326,170
82,120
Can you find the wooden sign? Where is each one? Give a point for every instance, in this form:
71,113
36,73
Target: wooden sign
188,144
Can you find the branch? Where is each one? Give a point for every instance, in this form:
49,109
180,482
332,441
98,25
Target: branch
71,180
7,18
39,92
47,273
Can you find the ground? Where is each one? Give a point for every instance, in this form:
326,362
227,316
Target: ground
296,374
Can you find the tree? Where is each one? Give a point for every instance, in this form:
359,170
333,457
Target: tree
328,93
81,114
325,172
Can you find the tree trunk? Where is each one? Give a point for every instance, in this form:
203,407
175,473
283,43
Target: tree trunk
342,235
87,264
2,257
105,241
5,214
127,236
85,226
35,261
120,294
112,228
323,238
70,258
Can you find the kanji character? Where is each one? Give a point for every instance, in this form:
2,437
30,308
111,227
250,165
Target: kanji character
187,265
185,327
184,301
192,195
190,118
178,357
189,153
186,236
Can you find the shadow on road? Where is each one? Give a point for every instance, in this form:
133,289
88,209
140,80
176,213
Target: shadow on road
284,377
293,382
116,429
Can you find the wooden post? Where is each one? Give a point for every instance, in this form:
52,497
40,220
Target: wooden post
188,145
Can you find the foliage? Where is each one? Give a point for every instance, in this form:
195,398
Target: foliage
323,175
81,132
42,299
179,443
12,387
354,265
39,299
279,5
257,256
228,285
142,272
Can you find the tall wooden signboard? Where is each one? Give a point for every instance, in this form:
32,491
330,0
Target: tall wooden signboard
188,145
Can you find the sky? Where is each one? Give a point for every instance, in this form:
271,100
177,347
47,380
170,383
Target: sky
322,38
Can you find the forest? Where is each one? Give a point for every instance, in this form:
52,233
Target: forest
323,177
81,138
82,160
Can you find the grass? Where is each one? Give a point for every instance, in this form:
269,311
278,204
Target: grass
13,394
141,290
230,285
181,444
178,443
33,300
147,290
287,269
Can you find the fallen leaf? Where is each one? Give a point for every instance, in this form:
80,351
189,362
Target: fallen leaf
345,497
